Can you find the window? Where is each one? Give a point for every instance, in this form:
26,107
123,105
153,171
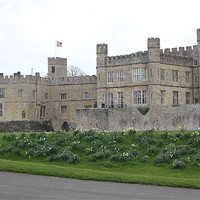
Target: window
187,77
34,94
87,95
46,96
23,115
187,97
120,99
139,73
175,97
139,96
175,75
53,69
63,96
20,93
110,100
1,110
120,77
195,62
163,96
162,74
2,93
63,109
110,77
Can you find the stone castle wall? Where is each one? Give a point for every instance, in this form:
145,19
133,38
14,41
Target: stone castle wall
25,126
158,117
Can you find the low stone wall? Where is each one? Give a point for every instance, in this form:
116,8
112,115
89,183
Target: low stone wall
25,126
158,117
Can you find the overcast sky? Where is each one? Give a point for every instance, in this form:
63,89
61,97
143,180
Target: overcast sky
30,28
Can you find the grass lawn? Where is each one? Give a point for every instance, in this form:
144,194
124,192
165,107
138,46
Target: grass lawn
168,159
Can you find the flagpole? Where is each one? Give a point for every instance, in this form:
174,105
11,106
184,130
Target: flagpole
55,48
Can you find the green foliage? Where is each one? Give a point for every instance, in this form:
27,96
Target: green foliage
131,132
143,110
180,164
9,137
149,147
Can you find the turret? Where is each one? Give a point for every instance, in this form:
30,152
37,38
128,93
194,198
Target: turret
153,45
57,67
102,52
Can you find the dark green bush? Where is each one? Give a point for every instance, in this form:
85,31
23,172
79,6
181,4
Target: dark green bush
143,110
131,132
180,164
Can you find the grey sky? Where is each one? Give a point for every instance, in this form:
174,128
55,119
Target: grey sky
30,28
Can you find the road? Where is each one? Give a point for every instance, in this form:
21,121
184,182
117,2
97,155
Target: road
15,186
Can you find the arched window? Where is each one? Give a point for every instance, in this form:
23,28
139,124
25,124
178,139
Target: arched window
1,109
53,69
23,115
44,109
41,111
65,127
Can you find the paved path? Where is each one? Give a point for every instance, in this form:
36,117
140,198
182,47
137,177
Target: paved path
31,187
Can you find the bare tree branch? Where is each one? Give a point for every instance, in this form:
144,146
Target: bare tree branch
75,71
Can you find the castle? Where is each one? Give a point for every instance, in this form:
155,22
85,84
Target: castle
142,79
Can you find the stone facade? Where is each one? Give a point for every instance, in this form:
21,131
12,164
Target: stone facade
25,126
54,98
159,117
122,83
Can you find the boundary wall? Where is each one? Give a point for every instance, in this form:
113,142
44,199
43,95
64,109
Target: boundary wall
158,117
25,126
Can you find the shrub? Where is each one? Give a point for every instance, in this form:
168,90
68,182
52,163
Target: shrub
134,152
152,150
164,135
143,110
17,151
144,158
131,132
179,164
33,135
9,137
159,159
96,156
73,158
197,157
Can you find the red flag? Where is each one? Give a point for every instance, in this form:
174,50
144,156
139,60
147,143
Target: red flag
59,44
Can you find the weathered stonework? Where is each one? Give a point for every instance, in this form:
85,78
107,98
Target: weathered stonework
154,78
158,117
25,126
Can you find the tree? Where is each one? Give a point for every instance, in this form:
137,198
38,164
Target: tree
75,71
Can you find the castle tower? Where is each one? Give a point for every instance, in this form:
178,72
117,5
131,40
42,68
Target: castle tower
57,68
102,52
153,45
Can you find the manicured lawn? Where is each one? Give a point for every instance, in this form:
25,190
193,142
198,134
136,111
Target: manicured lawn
158,158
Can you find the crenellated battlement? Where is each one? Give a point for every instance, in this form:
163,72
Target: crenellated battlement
153,43
77,80
189,51
17,78
179,56
171,59
57,61
102,49
138,57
